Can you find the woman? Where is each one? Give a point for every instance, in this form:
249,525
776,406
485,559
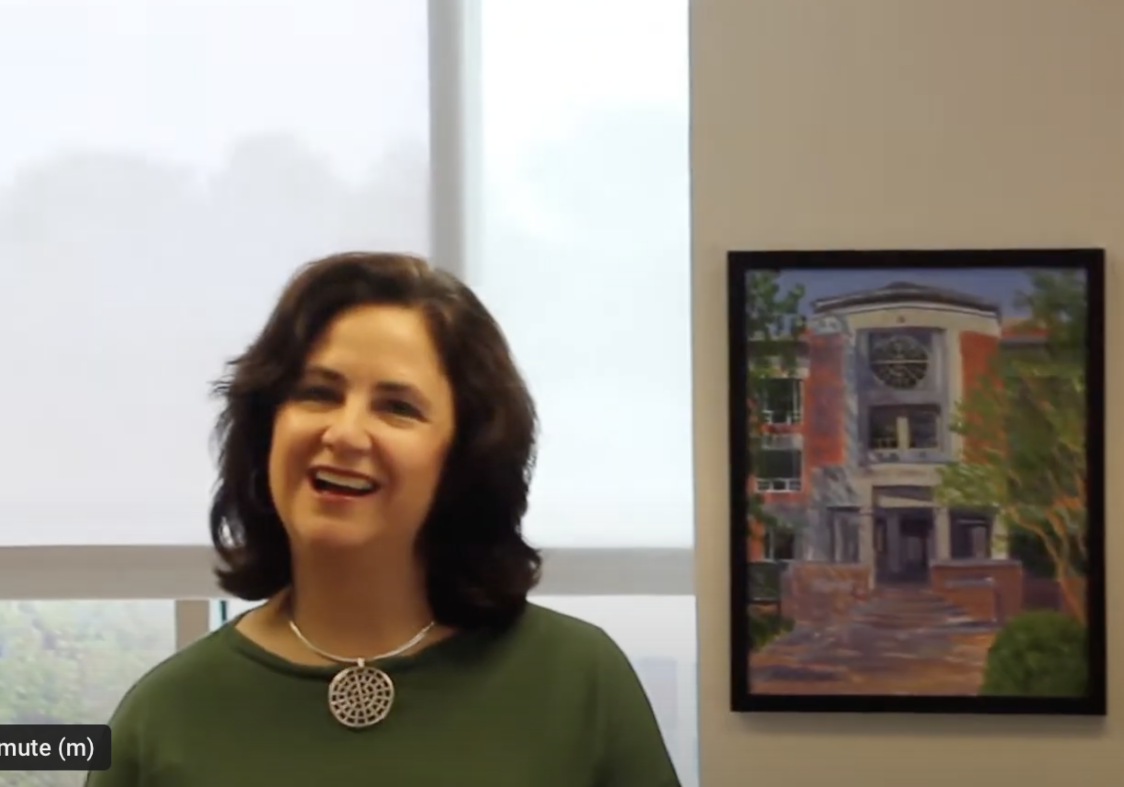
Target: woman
376,448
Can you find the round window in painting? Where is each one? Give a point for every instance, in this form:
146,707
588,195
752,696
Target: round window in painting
899,361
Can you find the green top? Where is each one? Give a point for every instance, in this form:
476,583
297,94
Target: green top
552,702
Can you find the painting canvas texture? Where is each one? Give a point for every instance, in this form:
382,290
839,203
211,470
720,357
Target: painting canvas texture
913,502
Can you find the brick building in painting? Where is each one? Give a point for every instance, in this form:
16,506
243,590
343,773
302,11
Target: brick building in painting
856,439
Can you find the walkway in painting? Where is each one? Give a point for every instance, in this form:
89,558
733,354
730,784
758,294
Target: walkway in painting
902,641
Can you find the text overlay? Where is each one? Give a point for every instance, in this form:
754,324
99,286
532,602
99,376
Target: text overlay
54,747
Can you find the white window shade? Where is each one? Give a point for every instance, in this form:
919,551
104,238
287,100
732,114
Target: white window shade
164,167
583,254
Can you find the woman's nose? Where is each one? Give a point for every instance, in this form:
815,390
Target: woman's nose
347,431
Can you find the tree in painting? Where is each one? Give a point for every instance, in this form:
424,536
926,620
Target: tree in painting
773,325
1024,430
1032,473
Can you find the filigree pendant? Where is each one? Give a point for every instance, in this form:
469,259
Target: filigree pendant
360,696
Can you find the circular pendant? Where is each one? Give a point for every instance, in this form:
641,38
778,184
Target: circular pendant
360,696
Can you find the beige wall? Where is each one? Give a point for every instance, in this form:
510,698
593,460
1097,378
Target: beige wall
897,123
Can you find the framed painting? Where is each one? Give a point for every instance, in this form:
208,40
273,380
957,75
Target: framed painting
917,481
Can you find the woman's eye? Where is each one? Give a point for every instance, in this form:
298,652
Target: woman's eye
401,408
314,393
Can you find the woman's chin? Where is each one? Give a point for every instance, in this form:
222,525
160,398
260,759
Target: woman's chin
336,534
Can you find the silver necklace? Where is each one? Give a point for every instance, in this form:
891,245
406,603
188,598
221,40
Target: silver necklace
361,695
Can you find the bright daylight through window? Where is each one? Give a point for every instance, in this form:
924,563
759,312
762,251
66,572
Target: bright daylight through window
165,166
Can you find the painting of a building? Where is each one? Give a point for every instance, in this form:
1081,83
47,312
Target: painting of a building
916,478
856,437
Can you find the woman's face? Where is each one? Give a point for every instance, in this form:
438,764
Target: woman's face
359,446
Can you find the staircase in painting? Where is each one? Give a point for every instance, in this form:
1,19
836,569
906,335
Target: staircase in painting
907,608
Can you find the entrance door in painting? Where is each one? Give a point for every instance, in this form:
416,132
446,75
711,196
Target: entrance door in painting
916,536
902,544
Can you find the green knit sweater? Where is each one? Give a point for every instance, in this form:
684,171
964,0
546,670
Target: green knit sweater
552,702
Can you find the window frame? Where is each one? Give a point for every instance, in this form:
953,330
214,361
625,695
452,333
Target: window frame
906,420
771,415
792,483
185,574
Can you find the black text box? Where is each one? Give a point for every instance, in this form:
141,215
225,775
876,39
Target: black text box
54,747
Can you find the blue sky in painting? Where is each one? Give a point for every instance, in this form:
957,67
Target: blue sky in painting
995,284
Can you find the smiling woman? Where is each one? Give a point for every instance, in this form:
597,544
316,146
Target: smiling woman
376,444
359,444
378,365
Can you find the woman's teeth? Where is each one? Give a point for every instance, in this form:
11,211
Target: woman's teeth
327,481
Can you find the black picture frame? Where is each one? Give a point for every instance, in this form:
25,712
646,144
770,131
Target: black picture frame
847,435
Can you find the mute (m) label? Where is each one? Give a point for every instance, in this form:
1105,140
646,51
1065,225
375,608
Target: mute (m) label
55,747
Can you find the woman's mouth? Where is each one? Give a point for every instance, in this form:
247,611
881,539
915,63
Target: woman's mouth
341,483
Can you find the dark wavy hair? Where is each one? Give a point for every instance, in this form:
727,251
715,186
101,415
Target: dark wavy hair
479,568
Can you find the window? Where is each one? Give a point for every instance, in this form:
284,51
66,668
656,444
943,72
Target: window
970,536
177,187
844,531
780,543
158,202
779,470
781,401
898,360
580,244
70,662
901,428
584,254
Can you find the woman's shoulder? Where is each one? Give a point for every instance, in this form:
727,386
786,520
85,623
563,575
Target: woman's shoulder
579,671
549,625
574,641
176,679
